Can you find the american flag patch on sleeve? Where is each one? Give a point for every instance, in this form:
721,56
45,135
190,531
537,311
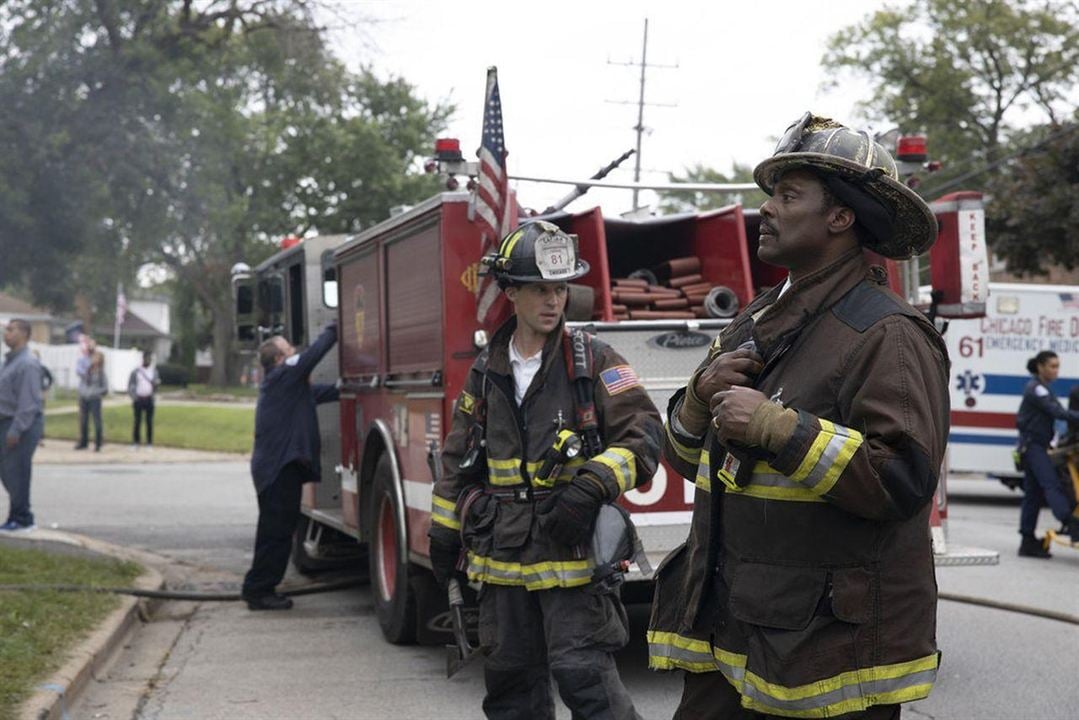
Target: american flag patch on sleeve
619,379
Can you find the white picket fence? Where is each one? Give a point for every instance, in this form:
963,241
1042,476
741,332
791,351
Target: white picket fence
60,360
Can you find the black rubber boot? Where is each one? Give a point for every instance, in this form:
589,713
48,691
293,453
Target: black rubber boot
1072,526
1031,546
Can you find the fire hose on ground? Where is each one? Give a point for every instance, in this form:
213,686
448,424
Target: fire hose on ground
190,595
345,584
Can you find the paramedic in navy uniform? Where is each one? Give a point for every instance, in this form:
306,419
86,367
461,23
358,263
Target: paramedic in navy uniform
286,456
1039,409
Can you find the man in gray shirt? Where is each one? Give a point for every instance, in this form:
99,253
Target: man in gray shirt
21,423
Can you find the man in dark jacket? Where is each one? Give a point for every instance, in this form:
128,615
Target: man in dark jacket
525,513
814,431
286,456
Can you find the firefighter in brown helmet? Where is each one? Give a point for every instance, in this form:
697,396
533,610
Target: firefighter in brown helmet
814,431
523,520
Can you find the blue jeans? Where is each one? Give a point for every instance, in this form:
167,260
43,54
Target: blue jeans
1041,484
89,408
15,468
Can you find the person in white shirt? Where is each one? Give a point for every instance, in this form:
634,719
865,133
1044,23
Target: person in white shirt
141,386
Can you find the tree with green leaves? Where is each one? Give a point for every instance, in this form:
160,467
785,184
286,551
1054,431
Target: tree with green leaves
975,77
677,201
965,73
1034,221
190,135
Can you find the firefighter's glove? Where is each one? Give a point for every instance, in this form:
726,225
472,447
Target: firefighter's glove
567,516
736,368
445,552
771,426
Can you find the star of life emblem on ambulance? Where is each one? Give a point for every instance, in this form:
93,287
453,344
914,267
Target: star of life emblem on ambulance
970,384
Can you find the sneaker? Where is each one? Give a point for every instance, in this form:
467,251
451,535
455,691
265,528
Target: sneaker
134,446
80,446
14,527
1033,547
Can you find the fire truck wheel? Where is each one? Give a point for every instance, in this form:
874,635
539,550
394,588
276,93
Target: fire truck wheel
395,605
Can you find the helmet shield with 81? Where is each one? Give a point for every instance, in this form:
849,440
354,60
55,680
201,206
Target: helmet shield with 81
536,252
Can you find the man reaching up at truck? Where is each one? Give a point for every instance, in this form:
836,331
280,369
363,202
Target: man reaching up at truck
286,456
517,496
814,430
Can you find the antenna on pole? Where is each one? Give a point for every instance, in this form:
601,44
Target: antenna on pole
639,127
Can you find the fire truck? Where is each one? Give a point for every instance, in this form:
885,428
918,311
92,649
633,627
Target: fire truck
403,293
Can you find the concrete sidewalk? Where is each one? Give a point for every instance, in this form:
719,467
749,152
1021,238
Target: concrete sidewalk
57,451
54,695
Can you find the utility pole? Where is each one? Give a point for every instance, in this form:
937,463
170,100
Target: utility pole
639,127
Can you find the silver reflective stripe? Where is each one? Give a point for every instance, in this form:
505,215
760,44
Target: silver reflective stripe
444,513
828,457
854,691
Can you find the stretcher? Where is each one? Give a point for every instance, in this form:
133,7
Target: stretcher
1068,456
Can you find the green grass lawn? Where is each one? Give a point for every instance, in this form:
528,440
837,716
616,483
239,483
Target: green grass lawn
199,390
38,628
220,428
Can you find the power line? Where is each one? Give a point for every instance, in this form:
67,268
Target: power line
938,190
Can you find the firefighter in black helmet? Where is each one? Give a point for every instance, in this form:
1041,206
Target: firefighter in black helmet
550,426
814,430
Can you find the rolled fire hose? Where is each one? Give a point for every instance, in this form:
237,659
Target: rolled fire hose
721,302
580,302
680,282
644,274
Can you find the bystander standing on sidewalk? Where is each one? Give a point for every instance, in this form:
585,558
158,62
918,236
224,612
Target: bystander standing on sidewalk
92,387
141,386
21,423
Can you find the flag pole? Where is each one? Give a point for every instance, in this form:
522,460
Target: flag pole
119,317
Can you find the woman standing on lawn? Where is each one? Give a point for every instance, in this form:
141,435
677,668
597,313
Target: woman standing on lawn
92,387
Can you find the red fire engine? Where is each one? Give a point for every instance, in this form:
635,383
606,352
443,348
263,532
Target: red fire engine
403,293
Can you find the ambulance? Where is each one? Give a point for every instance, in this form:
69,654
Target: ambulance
989,357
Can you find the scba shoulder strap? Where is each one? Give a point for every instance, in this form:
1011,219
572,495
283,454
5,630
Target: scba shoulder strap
580,348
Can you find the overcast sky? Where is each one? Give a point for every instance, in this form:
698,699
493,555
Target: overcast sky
744,71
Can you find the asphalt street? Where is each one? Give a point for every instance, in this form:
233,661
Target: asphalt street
327,659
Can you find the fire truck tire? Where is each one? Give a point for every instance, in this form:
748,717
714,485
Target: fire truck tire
395,603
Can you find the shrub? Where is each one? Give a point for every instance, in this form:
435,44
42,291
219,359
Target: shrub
174,374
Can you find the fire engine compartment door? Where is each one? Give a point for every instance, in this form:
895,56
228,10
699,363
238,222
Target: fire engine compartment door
246,319
271,305
414,302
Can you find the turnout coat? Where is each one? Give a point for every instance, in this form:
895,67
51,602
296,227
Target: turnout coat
505,543
807,578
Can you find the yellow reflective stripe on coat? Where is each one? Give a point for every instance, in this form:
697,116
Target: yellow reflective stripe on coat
622,463
851,691
828,456
702,481
848,692
533,576
508,471
767,483
688,454
444,512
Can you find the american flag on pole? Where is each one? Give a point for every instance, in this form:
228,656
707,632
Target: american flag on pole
494,206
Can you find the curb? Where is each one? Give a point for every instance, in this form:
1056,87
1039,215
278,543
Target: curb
53,696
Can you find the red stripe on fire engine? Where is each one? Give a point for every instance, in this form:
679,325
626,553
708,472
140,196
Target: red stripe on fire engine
984,419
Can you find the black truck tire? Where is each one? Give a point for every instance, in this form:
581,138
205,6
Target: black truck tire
395,603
